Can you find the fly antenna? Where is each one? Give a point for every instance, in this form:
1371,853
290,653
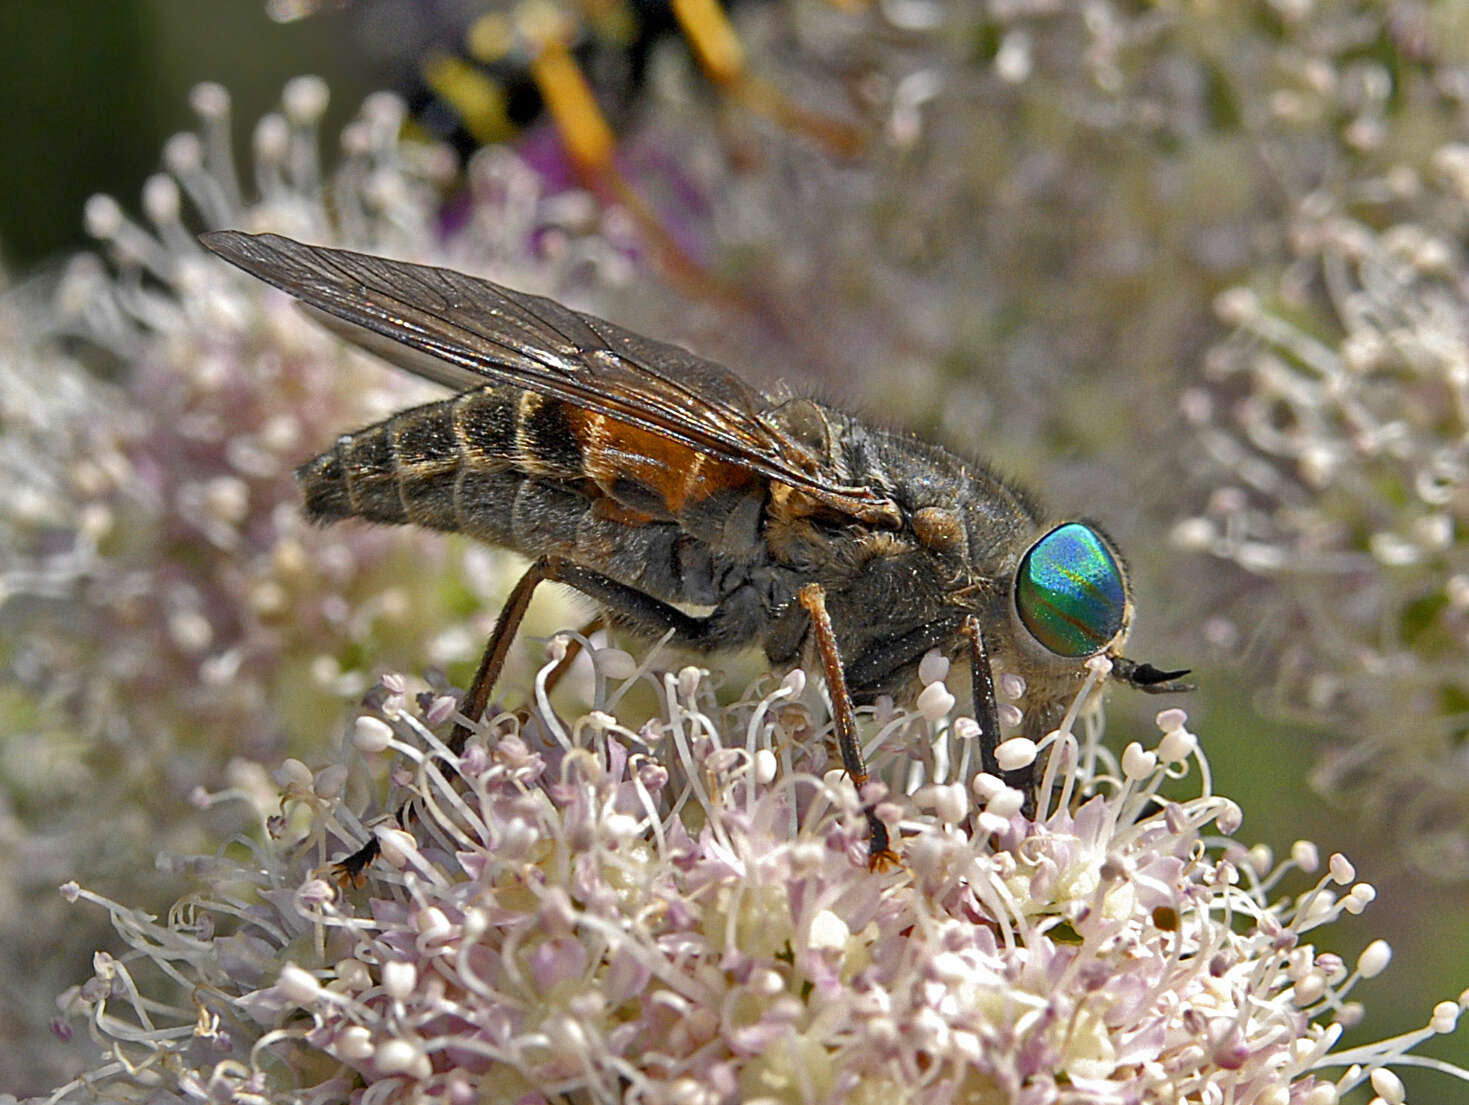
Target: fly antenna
1147,678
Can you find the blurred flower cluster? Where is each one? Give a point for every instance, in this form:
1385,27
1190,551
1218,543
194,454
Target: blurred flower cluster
683,913
166,615
1332,426
1344,449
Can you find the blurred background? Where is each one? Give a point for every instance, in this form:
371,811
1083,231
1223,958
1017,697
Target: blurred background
97,89
1194,271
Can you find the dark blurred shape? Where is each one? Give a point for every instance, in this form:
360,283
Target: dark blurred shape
466,69
92,91
62,137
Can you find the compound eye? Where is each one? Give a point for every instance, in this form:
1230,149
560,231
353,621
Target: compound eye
1069,591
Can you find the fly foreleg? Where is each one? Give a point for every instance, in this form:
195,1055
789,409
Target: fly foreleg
844,718
987,717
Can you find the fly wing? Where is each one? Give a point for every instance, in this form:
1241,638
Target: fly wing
462,332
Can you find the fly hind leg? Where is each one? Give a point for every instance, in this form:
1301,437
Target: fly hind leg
491,663
641,611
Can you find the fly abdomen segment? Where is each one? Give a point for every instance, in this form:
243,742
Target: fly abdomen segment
411,467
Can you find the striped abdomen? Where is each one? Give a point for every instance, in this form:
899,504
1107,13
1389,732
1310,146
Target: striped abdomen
531,473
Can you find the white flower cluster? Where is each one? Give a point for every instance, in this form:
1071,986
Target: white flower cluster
683,912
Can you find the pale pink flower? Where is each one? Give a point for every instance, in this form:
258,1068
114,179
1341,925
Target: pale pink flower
583,911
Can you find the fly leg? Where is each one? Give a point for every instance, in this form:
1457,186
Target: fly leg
643,612
497,648
987,716
844,718
982,684
491,663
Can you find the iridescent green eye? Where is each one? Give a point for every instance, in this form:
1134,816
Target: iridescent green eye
1069,591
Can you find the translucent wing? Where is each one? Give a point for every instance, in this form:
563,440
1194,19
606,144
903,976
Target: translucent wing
472,331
